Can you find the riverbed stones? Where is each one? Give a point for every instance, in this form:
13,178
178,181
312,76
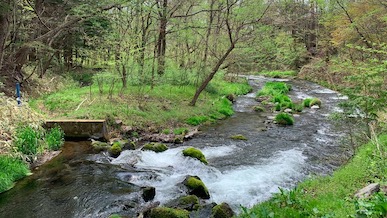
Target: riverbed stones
148,193
222,210
99,146
196,187
195,153
368,191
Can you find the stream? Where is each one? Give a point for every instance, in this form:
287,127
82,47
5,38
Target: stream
80,183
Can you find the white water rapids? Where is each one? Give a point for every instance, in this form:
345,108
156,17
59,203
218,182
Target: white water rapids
243,185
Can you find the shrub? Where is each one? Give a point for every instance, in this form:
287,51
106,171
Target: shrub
284,119
195,153
11,169
27,140
54,138
196,120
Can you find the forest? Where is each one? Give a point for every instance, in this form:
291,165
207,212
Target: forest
158,70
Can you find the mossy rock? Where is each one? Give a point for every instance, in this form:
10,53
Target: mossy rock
178,139
196,187
156,147
238,137
284,119
258,108
315,101
130,145
222,210
115,216
195,153
116,149
189,202
165,212
100,146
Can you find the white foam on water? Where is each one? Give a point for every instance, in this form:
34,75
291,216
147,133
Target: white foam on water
322,90
245,185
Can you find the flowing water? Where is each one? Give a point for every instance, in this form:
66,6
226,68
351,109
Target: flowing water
79,183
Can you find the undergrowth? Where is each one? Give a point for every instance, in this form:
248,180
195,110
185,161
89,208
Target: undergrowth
11,169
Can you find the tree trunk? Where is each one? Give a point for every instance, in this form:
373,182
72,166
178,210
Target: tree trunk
4,24
212,74
161,42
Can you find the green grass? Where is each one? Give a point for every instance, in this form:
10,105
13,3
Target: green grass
274,88
11,169
278,74
329,196
284,119
54,138
141,106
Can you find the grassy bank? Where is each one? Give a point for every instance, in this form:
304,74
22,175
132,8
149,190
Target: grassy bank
333,196
142,106
11,169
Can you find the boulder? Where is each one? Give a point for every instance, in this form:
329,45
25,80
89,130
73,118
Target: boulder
196,187
99,146
156,147
148,193
288,110
222,210
116,149
315,107
189,202
367,191
195,153
165,212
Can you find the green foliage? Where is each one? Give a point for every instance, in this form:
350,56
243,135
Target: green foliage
374,207
11,169
54,138
180,131
225,107
278,74
156,147
195,153
284,119
164,212
27,140
306,102
197,120
274,88
298,107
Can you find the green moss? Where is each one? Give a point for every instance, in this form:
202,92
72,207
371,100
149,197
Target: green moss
222,210
284,119
156,147
238,137
165,212
100,146
11,169
195,153
116,149
315,101
197,187
306,102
